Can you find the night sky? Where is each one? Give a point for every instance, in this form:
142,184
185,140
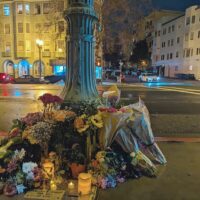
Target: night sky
175,4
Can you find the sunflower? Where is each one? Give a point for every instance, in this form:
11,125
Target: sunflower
80,124
97,120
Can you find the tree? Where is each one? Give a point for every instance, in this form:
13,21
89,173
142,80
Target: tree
140,52
119,19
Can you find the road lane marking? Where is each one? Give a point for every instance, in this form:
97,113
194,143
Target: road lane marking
176,90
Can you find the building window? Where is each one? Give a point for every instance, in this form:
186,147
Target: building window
171,55
169,29
198,51
60,45
28,45
191,52
20,8
8,47
168,43
192,36
6,10
187,20
178,40
162,57
158,33
46,27
27,9
47,45
38,28
60,7
187,52
46,8
7,28
164,31
167,56
193,19
37,9
172,42
198,34
177,54
61,26
173,28
20,28
186,37
20,46
176,68
27,28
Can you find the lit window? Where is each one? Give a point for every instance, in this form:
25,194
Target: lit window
60,44
6,10
27,9
20,28
20,46
27,28
46,8
61,26
19,8
37,9
8,47
7,28
28,45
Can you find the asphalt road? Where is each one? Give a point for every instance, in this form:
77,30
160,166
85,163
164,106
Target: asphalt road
163,98
174,105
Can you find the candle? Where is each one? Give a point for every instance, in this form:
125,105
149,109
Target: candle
71,185
53,186
84,183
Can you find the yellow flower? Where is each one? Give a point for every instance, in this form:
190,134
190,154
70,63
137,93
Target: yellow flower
97,120
26,135
80,124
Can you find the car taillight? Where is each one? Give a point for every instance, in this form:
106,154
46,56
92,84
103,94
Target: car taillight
4,76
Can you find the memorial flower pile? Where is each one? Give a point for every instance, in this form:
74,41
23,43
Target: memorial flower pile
57,144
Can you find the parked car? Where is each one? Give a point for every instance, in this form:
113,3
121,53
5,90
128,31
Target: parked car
149,77
6,78
54,78
29,79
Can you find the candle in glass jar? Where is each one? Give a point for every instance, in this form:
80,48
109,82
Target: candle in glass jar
84,183
71,185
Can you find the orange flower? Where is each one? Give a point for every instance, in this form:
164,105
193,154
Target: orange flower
80,124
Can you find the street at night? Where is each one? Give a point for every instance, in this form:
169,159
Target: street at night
174,105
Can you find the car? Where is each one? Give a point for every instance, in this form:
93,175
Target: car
6,78
29,79
149,77
54,78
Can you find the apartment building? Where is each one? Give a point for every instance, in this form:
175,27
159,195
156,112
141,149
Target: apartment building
22,23
147,27
179,45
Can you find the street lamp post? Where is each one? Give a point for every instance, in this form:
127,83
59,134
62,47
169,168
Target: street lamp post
40,43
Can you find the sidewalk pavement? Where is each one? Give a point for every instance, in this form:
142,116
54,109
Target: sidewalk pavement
178,180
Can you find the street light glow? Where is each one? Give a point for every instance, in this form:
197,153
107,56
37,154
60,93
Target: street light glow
39,42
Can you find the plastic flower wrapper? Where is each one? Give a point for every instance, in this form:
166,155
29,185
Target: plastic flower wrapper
141,161
141,128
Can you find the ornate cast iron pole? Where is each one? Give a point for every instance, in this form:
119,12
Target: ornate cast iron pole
81,80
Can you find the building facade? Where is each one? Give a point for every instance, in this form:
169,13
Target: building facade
22,23
179,45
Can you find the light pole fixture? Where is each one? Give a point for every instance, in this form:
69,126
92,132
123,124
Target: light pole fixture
40,43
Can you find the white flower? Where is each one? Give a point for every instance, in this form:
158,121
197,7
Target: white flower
28,167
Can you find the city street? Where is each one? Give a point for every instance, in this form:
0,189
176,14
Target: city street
174,105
